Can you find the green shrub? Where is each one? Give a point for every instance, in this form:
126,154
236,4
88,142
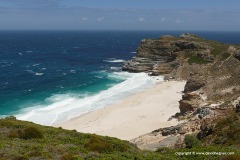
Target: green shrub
197,60
34,154
191,141
99,145
67,156
219,48
164,150
11,118
13,134
30,133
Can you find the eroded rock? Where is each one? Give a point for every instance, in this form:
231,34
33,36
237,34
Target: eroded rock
185,106
237,55
237,108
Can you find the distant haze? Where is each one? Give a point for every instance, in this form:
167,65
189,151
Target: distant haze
120,15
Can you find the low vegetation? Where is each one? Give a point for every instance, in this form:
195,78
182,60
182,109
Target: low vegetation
224,139
226,132
197,60
218,48
20,140
192,141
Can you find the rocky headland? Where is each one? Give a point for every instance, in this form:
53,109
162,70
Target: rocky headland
212,91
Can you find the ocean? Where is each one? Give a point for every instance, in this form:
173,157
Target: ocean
48,77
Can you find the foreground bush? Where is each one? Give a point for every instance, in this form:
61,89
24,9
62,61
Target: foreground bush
98,145
191,141
30,133
26,133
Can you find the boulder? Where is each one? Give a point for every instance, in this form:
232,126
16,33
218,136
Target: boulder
185,106
203,111
237,55
170,130
170,142
195,82
237,108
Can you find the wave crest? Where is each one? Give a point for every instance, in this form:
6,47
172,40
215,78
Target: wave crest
63,107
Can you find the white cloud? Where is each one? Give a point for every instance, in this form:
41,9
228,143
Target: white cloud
100,18
141,19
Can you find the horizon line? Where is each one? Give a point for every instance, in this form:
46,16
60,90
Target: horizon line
119,30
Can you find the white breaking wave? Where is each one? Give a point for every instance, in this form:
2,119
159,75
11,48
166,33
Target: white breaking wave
116,68
66,106
39,74
100,77
36,64
114,60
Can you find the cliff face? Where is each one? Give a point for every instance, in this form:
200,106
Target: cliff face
212,72
163,55
209,66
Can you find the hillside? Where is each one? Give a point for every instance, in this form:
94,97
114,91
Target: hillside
21,140
212,91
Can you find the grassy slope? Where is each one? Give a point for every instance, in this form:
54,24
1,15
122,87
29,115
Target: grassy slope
219,50
21,140
24,140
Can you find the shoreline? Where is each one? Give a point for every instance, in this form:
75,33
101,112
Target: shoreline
134,115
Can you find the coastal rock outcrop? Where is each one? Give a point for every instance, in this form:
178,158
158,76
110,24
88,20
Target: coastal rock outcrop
163,55
210,66
212,72
185,106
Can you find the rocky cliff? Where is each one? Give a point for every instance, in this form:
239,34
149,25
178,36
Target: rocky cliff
212,72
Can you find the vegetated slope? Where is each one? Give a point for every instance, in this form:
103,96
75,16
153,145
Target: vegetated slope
20,140
218,142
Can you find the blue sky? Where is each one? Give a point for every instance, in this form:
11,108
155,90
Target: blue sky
120,14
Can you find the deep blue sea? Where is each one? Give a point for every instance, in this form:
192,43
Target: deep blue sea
51,76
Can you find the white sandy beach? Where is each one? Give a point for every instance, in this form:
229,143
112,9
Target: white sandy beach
135,115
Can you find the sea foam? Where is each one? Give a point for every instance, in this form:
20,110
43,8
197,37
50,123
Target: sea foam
63,107
112,60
